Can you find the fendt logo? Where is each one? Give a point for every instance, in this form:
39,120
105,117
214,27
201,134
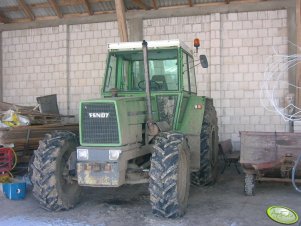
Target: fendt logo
99,115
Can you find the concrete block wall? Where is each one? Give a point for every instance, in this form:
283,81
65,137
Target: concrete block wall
70,60
67,61
88,54
247,41
237,46
34,64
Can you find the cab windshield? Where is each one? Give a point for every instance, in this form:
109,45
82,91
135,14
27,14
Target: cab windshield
125,71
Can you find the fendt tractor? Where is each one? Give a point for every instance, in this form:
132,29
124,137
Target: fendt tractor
149,126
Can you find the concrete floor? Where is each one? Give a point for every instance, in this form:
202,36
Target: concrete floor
223,204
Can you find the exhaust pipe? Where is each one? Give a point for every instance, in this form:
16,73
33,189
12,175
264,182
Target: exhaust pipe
147,82
151,125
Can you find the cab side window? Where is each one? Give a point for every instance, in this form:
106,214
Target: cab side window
189,82
192,80
185,72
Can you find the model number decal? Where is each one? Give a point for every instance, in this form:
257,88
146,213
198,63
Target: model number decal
99,115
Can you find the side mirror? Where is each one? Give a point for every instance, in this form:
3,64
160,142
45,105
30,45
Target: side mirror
203,60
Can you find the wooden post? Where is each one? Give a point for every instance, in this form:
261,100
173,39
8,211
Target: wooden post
298,69
122,28
1,69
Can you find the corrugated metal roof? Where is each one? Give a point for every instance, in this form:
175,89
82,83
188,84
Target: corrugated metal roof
167,3
35,1
10,9
103,6
130,5
207,1
73,9
43,12
15,15
7,3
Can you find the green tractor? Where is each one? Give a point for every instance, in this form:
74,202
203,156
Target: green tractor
149,127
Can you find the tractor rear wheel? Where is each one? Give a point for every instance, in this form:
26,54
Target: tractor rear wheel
170,175
53,186
207,175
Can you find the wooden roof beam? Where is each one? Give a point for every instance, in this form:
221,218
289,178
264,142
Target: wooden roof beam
190,3
298,39
141,4
3,18
121,20
47,5
88,7
227,1
23,6
56,8
155,4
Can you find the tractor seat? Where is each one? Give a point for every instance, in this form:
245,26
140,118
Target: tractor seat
160,79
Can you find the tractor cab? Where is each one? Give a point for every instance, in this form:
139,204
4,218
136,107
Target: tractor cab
171,68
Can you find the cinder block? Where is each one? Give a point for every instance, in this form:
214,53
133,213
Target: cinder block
243,51
243,68
272,14
232,16
252,15
237,25
246,24
253,33
242,16
257,24
262,15
216,25
238,94
89,35
243,34
229,94
282,14
237,42
228,25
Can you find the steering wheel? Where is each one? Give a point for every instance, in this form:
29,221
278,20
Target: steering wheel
153,85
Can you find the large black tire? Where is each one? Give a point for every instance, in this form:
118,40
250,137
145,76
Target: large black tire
250,181
53,185
207,175
169,175
29,168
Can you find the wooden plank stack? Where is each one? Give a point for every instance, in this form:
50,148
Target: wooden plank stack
25,139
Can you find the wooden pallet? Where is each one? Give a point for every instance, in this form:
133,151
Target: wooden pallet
35,117
25,139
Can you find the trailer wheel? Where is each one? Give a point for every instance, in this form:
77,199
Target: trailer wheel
53,185
169,175
250,184
207,175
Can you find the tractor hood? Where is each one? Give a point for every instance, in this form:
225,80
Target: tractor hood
107,122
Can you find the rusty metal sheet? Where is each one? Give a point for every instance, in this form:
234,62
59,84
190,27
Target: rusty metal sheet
266,149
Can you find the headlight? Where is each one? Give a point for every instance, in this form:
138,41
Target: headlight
82,154
114,154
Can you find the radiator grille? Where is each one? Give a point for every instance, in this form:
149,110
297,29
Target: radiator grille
99,123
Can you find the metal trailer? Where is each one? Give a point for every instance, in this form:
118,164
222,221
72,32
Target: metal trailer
269,156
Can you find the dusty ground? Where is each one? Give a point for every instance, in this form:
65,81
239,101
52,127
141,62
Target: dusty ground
223,204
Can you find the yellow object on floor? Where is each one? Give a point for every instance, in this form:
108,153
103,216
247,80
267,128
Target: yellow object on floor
5,179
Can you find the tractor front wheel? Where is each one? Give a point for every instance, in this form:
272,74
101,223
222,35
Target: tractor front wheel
53,184
170,175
